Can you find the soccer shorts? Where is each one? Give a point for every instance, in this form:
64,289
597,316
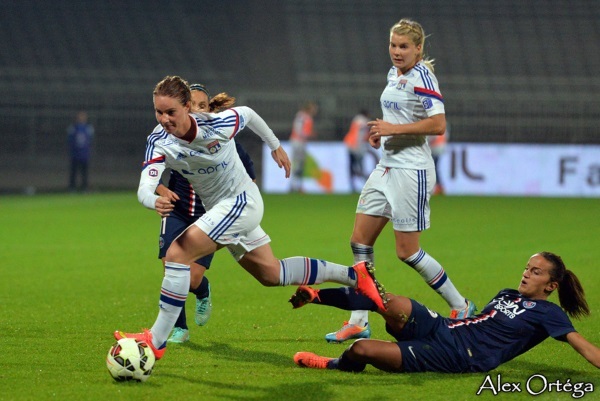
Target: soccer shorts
171,227
235,222
402,195
427,345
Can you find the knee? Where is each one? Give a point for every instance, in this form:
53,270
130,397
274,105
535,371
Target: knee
177,254
404,252
359,350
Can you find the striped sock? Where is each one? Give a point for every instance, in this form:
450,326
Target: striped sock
175,286
435,276
299,270
361,253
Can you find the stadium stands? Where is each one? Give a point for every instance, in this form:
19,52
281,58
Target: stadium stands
510,71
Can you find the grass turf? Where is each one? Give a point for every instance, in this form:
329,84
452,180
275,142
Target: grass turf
76,268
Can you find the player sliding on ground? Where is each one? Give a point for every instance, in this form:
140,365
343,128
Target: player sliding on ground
201,148
513,322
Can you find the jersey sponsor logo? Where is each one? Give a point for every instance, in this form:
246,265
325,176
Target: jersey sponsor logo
510,307
153,172
432,313
427,104
213,147
208,131
181,156
390,105
207,170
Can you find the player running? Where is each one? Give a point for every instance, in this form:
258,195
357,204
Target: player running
513,322
200,147
187,208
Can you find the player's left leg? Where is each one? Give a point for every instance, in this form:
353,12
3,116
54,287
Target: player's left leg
269,271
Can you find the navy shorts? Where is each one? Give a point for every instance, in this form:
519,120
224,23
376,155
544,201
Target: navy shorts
427,344
173,226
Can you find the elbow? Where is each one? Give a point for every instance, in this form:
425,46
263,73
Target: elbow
440,128
439,124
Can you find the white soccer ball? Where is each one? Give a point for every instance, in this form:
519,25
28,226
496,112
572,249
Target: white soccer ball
130,359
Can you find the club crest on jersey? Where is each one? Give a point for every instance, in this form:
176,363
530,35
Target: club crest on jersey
402,84
213,147
153,172
528,304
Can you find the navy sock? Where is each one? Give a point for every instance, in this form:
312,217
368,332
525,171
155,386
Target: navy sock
344,363
181,320
202,290
345,298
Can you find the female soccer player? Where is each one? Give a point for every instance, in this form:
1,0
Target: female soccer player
401,185
187,208
200,147
513,322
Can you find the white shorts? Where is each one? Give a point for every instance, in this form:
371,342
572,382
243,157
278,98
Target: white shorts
235,222
401,195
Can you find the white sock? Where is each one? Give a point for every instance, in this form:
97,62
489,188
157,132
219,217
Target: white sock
299,270
434,275
361,253
174,290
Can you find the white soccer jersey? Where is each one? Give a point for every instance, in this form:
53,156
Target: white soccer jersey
209,162
407,99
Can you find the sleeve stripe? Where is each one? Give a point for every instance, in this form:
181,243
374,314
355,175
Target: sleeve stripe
428,93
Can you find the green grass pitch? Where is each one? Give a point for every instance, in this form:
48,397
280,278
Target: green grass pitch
76,268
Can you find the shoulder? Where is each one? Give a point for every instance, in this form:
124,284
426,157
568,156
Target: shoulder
424,75
157,134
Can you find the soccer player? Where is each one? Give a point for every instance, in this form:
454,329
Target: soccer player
200,147
187,209
399,188
513,322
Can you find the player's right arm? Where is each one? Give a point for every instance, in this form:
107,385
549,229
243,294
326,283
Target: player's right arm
588,350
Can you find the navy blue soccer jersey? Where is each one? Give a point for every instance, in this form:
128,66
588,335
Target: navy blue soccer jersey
189,204
508,326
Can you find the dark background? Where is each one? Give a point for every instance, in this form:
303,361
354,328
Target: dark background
518,71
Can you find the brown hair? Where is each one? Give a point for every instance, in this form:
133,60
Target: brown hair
175,87
570,292
221,102
416,33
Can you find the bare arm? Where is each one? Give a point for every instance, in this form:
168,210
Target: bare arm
434,125
588,350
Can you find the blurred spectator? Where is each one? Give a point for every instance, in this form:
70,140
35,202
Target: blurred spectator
302,131
80,135
357,141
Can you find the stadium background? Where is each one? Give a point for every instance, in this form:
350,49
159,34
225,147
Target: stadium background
511,71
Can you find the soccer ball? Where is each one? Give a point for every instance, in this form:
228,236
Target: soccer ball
130,359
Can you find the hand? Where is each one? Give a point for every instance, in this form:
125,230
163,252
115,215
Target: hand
164,206
167,193
378,129
282,160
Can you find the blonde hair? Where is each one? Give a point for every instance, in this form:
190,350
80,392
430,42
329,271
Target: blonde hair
415,32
